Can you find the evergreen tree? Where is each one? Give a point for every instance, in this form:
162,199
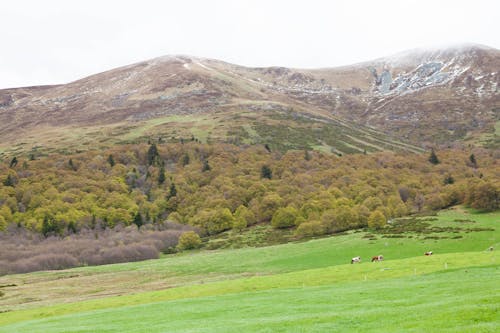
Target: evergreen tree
138,220
433,158
206,166
472,160
448,180
49,226
111,160
9,181
185,159
172,191
266,172
153,154
71,165
161,177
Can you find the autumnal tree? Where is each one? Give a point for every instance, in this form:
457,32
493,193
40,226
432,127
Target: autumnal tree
376,220
484,195
246,216
188,241
310,229
284,218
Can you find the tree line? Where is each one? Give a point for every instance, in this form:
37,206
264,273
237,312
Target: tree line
220,187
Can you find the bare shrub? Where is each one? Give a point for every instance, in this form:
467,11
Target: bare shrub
24,251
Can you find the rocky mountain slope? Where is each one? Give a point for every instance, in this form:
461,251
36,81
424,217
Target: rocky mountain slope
422,97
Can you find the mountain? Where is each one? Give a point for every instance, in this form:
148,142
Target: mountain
421,97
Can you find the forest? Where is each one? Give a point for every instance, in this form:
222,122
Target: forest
212,188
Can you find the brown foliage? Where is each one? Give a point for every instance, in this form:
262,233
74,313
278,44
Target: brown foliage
24,251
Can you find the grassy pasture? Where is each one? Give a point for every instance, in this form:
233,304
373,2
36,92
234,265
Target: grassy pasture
432,302
307,286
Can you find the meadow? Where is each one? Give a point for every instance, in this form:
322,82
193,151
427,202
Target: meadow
296,287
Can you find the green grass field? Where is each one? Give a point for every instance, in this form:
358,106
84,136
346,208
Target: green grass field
295,287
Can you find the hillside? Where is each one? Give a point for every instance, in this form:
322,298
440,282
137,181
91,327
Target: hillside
291,287
422,97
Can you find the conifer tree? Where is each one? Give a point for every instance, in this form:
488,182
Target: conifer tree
433,157
172,191
111,160
161,176
153,154
206,166
472,160
138,220
266,172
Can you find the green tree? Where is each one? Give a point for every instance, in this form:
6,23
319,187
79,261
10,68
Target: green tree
138,220
111,160
153,155
377,220
284,217
13,162
71,164
433,157
161,176
239,223
266,172
340,219
172,192
9,181
310,229
206,166
246,215
448,180
472,160
188,241
49,226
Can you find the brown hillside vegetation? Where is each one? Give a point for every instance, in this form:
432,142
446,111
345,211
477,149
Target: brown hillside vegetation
423,97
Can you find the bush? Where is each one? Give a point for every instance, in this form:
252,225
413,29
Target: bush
377,220
284,218
189,240
310,229
24,251
484,196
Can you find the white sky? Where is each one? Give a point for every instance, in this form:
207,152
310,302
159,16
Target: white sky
58,41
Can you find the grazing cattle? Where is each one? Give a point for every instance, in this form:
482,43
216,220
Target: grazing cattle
428,253
378,258
355,259
490,248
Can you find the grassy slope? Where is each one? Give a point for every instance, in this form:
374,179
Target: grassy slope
461,300
310,264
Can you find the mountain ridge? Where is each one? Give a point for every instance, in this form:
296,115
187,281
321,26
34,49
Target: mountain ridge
456,89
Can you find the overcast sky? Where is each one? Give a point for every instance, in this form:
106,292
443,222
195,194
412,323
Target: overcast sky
58,41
